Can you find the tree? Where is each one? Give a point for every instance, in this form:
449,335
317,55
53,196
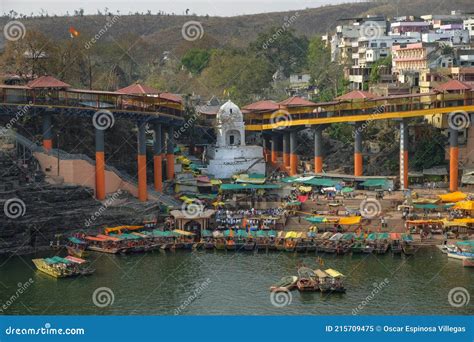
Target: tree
282,49
195,60
327,76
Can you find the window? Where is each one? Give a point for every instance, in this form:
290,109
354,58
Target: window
231,139
383,45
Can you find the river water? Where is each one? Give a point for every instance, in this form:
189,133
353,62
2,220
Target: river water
220,282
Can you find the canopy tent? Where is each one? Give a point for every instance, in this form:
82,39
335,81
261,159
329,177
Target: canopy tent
288,179
350,220
453,197
316,219
464,205
326,182
254,178
245,186
448,224
374,183
432,206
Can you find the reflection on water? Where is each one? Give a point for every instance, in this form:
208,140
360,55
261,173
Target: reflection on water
219,282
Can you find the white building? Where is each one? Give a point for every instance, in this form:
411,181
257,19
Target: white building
230,155
469,25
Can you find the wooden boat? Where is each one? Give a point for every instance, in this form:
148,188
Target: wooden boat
336,281
249,245
76,247
230,245
261,244
322,277
220,244
460,255
63,267
396,247
104,244
290,245
408,248
381,247
271,244
280,244
342,248
468,262
188,245
357,247
208,244
368,248
285,284
311,246
239,244
307,280
301,246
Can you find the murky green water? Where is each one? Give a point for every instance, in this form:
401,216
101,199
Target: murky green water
205,283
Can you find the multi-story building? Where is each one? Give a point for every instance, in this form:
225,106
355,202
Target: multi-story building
452,35
404,27
468,24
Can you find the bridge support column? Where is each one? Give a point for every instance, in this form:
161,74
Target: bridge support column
142,186
453,159
157,162
318,156
170,154
286,150
274,155
404,154
99,165
293,155
358,161
47,132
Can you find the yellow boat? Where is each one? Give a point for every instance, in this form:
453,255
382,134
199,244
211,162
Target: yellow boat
58,267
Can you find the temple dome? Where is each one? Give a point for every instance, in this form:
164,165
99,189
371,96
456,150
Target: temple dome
229,113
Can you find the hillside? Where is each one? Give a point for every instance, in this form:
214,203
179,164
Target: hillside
163,32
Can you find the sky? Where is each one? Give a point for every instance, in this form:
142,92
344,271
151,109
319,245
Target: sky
200,7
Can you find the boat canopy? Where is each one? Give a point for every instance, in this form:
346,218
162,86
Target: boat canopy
372,237
395,236
321,274
76,240
288,179
326,182
336,237
347,190
407,237
75,259
206,233
348,236
246,186
382,236
293,235
272,233
261,233
333,273
109,237
126,236
57,260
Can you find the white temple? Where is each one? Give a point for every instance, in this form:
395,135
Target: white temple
230,155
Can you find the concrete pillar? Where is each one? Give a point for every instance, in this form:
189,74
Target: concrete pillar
99,165
404,154
318,155
141,139
286,150
293,155
157,161
170,154
274,155
453,159
47,132
358,163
